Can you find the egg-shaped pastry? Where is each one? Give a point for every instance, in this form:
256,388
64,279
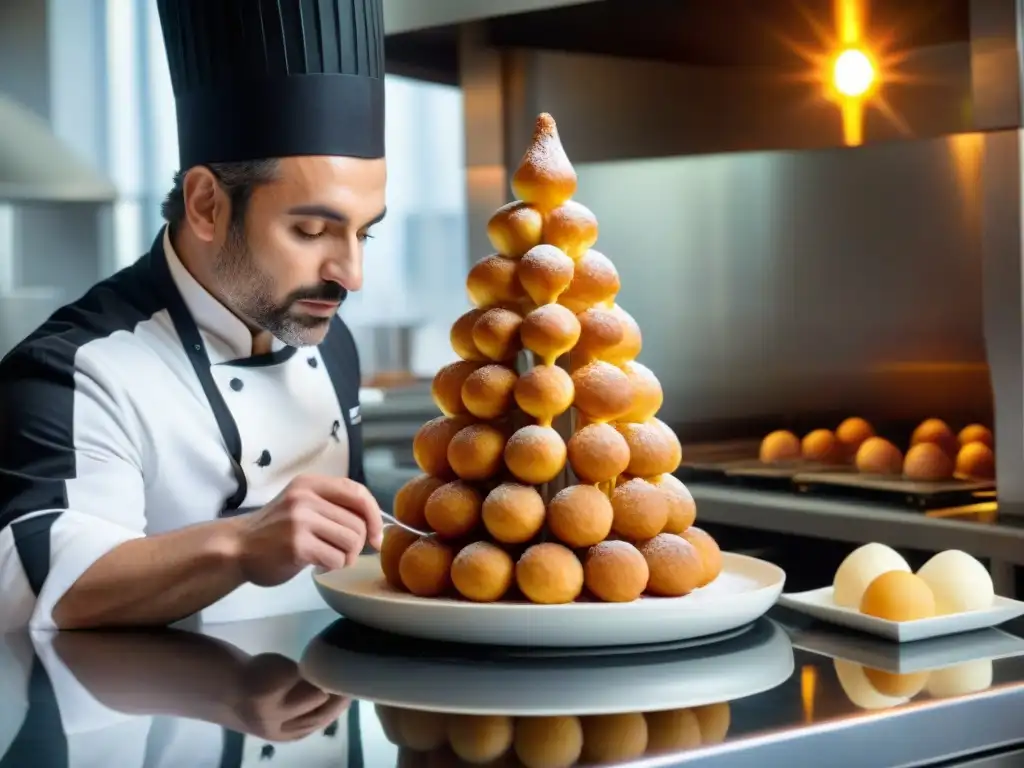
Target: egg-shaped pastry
425,567
860,568
493,280
935,431
430,445
545,177
549,332
898,596
475,452
646,392
549,574
513,513
480,739
545,273
820,445
580,516
852,433
535,454
878,456
615,572
482,572
976,433
515,228
600,330
654,448
976,461
446,388
411,499
453,510
396,541
675,565
572,227
462,336
487,392
602,391
548,742
594,281
632,340
640,510
496,334
779,446
614,739
928,462
598,453
958,581
544,392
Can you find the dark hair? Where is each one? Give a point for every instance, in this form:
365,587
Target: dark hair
238,180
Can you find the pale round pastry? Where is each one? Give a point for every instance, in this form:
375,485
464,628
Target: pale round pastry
672,731
682,509
878,456
535,454
496,334
976,460
594,281
632,341
598,453
513,513
545,177
453,510
779,446
475,453
425,567
976,433
580,516
396,541
714,720
461,336
674,563
422,731
515,228
960,679
430,445
709,551
648,396
544,392
860,568
640,510
493,280
654,449
928,462
548,742
411,499
480,739
600,330
545,273
487,392
446,388
958,581
935,431
614,739
898,596
482,572
820,445
894,684
572,227
602,391
859,690
549,574
615,572
549,332
852,433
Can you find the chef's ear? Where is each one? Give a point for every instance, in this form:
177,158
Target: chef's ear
205,202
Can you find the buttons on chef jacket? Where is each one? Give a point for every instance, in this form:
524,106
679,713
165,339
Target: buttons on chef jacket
267,753
331,729
264,459
334,430
313,362
236,384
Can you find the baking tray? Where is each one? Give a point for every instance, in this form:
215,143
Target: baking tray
895,489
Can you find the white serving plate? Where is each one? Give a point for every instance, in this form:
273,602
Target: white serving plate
744,591
748,664
819,604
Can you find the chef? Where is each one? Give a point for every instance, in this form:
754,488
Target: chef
185,438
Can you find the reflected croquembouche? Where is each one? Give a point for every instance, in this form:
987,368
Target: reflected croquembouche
548,476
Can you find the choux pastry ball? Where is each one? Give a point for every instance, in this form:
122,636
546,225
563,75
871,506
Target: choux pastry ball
976,433
396,541
594,281
513,513
549,332
935,431
603,392
430,445
544,392
976,461
710,554
453,510
682,509
487,392
639,510
446,388
545,273
580,516
598,453
535,454
615,572
675,565
820,445
461,336
515,228
572,227
549,574
496,334
648,396
494,280
545,177
878,456
928,462
600,330
411,499
482,572
654,449
632,341
425,567
780,446
852,433
475,452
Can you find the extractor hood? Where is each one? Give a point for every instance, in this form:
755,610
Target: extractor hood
36,166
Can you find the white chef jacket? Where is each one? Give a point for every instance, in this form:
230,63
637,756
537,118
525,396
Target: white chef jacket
140,409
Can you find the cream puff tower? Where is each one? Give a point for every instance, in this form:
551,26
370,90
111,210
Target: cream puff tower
548,476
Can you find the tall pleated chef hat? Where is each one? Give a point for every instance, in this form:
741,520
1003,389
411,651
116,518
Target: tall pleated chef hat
257,79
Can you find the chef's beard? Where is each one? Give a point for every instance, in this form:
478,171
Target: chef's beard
250,293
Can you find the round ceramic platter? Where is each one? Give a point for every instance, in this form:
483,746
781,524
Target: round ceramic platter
744,591
751,663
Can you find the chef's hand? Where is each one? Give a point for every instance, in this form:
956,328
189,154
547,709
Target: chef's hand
316,520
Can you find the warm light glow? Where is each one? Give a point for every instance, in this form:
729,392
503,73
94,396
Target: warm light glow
853,74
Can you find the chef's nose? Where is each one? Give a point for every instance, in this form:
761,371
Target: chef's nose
346,268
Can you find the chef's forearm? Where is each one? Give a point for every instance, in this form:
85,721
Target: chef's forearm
155,580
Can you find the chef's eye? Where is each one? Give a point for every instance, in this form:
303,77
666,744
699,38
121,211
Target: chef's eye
364,236
306,234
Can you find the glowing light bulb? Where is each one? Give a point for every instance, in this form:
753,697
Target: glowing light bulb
853,73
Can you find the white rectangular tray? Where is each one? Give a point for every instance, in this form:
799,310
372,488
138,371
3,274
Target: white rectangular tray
818,603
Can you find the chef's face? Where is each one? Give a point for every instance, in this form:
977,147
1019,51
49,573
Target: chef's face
288,267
